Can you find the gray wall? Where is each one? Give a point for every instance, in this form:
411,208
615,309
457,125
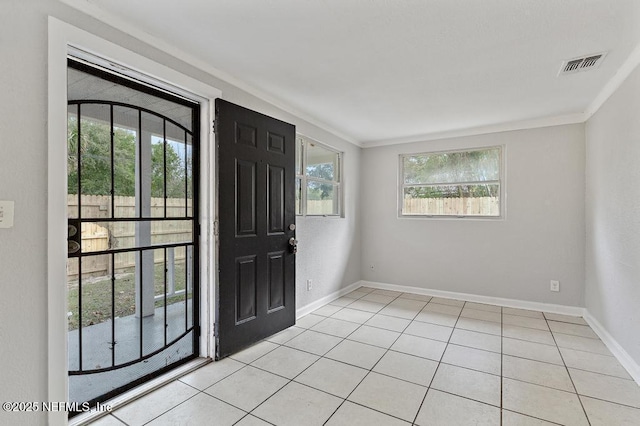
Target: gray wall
23,170
542,237
613,215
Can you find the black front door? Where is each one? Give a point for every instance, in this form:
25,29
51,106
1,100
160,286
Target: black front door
256,213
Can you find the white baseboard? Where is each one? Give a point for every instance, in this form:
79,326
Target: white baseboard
510,303
300,312
618,351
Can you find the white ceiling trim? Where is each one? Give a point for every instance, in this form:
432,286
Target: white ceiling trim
495,128
121,25
616,81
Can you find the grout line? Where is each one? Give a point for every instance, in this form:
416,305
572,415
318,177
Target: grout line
437,366
569,374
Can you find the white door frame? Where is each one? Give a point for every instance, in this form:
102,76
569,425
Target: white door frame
63,40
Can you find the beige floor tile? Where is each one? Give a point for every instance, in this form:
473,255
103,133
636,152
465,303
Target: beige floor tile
509,418
528,322
418,346
528,334
543,403
107,420
356,353
412,296
356,294
374,336
336,327
240,390
314,342
286,362
350,414
582,344
470,384
523,312
399,311
531,350
440,408
285,335
387,292
250,420
446,301
309,321
608,388
429,331
565,318
479,326
414,305
436,318
596,363
254,352
481,315
483,307
342,301
331,376
200,410
156,403
539,373
474,339
443,309
573,329
327,310
352,315
211,373
378,298
603,413
389,395
407,367
366,289
475,359
367,306
296,405
388,323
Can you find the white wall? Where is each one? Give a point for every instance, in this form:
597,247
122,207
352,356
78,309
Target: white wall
541,238
613,215
23,171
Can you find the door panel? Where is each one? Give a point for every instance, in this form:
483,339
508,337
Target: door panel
256,206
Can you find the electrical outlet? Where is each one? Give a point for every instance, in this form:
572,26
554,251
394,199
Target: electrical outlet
309,285
555,285
6,214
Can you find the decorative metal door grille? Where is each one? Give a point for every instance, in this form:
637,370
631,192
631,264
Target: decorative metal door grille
133,232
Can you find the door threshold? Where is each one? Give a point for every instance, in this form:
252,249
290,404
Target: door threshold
139,391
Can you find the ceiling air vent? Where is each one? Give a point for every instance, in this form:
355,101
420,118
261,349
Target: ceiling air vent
583,63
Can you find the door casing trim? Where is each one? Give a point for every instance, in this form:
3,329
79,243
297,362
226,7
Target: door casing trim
64,39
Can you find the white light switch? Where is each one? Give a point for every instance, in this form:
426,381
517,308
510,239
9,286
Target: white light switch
6,214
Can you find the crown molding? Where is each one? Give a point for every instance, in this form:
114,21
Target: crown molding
482,130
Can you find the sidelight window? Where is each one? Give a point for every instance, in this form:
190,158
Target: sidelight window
318,179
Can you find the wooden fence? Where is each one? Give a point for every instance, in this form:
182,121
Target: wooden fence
102,236
484,206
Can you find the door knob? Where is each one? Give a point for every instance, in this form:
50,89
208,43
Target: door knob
293,245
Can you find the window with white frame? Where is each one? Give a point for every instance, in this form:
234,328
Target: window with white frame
464,183
318,179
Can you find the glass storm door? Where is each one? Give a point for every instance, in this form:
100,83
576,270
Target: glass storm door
132,269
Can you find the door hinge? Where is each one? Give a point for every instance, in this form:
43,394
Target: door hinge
213,126
215,329
216,228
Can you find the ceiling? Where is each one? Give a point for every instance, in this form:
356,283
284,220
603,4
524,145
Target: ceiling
383,71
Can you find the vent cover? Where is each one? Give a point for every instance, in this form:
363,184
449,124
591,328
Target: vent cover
584,63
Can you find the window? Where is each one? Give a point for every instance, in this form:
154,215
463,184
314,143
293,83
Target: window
454,183
318,176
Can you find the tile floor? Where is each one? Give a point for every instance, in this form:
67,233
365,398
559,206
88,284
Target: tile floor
379,357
